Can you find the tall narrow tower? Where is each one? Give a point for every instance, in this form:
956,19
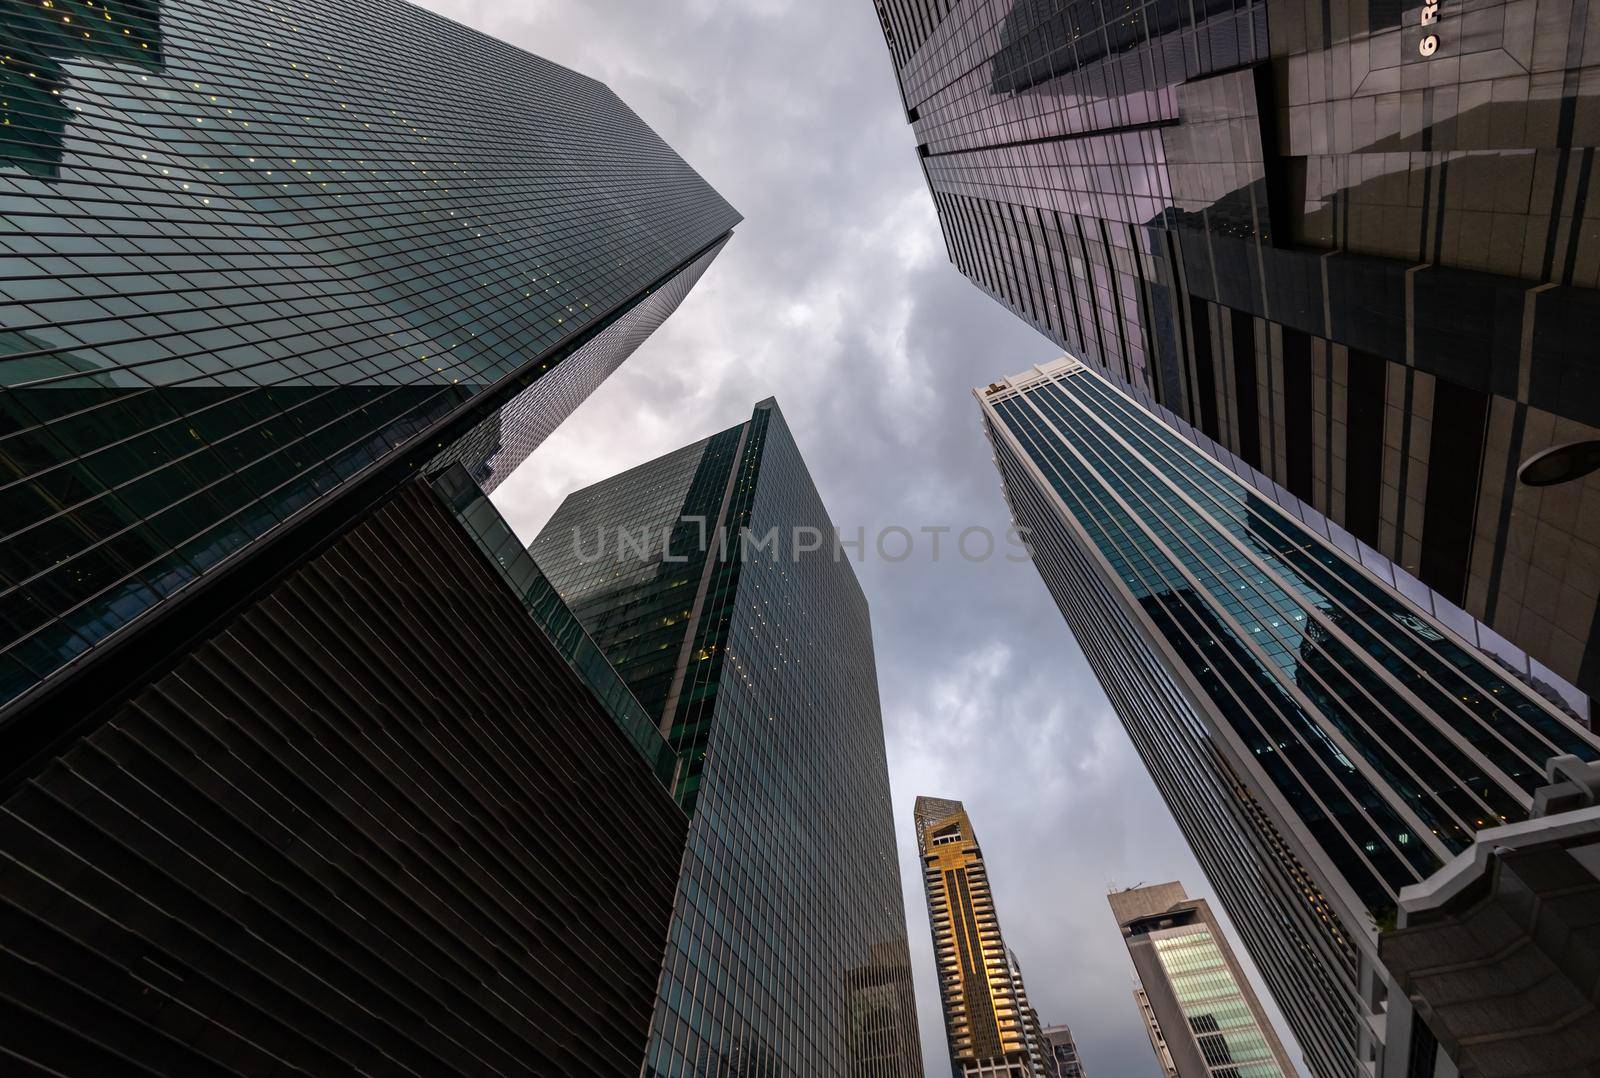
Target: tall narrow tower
707,577
991,1029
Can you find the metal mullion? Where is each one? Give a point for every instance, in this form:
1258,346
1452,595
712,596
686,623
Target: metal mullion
1314,614
1379,785
1174,785
1225,729
1250,648
1514,788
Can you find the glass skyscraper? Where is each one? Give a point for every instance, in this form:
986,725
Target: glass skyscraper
261,259
303,764
1346,242
1204,1018
1321,741
395,814
709,579
991,1029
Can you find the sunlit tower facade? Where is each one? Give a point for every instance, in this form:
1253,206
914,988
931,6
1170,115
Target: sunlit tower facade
991,1029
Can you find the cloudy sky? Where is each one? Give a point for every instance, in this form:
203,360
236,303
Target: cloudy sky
836,296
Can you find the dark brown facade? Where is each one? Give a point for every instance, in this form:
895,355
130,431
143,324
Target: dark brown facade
374,822
1346,260
1505,982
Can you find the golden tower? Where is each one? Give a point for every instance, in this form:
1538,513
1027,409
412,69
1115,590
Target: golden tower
990,1028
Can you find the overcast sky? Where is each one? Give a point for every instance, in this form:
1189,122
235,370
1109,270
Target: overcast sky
836,296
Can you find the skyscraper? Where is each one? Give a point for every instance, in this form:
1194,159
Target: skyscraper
247,290
393,813
1069,1064
1346,242
991,1029
305,767
708,578
1203,1014
1322,742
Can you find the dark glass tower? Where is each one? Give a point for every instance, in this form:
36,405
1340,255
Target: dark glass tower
395,813
1346,243
709,579
261,262
1321,741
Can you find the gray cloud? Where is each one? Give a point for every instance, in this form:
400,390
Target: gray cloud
836,296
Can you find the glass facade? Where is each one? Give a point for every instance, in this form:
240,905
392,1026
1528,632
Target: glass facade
613,551
1336,256
1358,744
1214,1005
251,254
1203,1017
498,444
787,953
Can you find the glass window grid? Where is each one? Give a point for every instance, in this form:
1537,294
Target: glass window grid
1219,1017
1297,939
1267,612
1521,722
1322,789
787,814
273,323
1308,564
998,72
1124,424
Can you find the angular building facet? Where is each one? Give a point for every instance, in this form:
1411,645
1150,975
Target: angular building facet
1347,241
991,1029
1322,742
303,764
395,813
1203,1016
709,579
1064,1050
261,263
1498,954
